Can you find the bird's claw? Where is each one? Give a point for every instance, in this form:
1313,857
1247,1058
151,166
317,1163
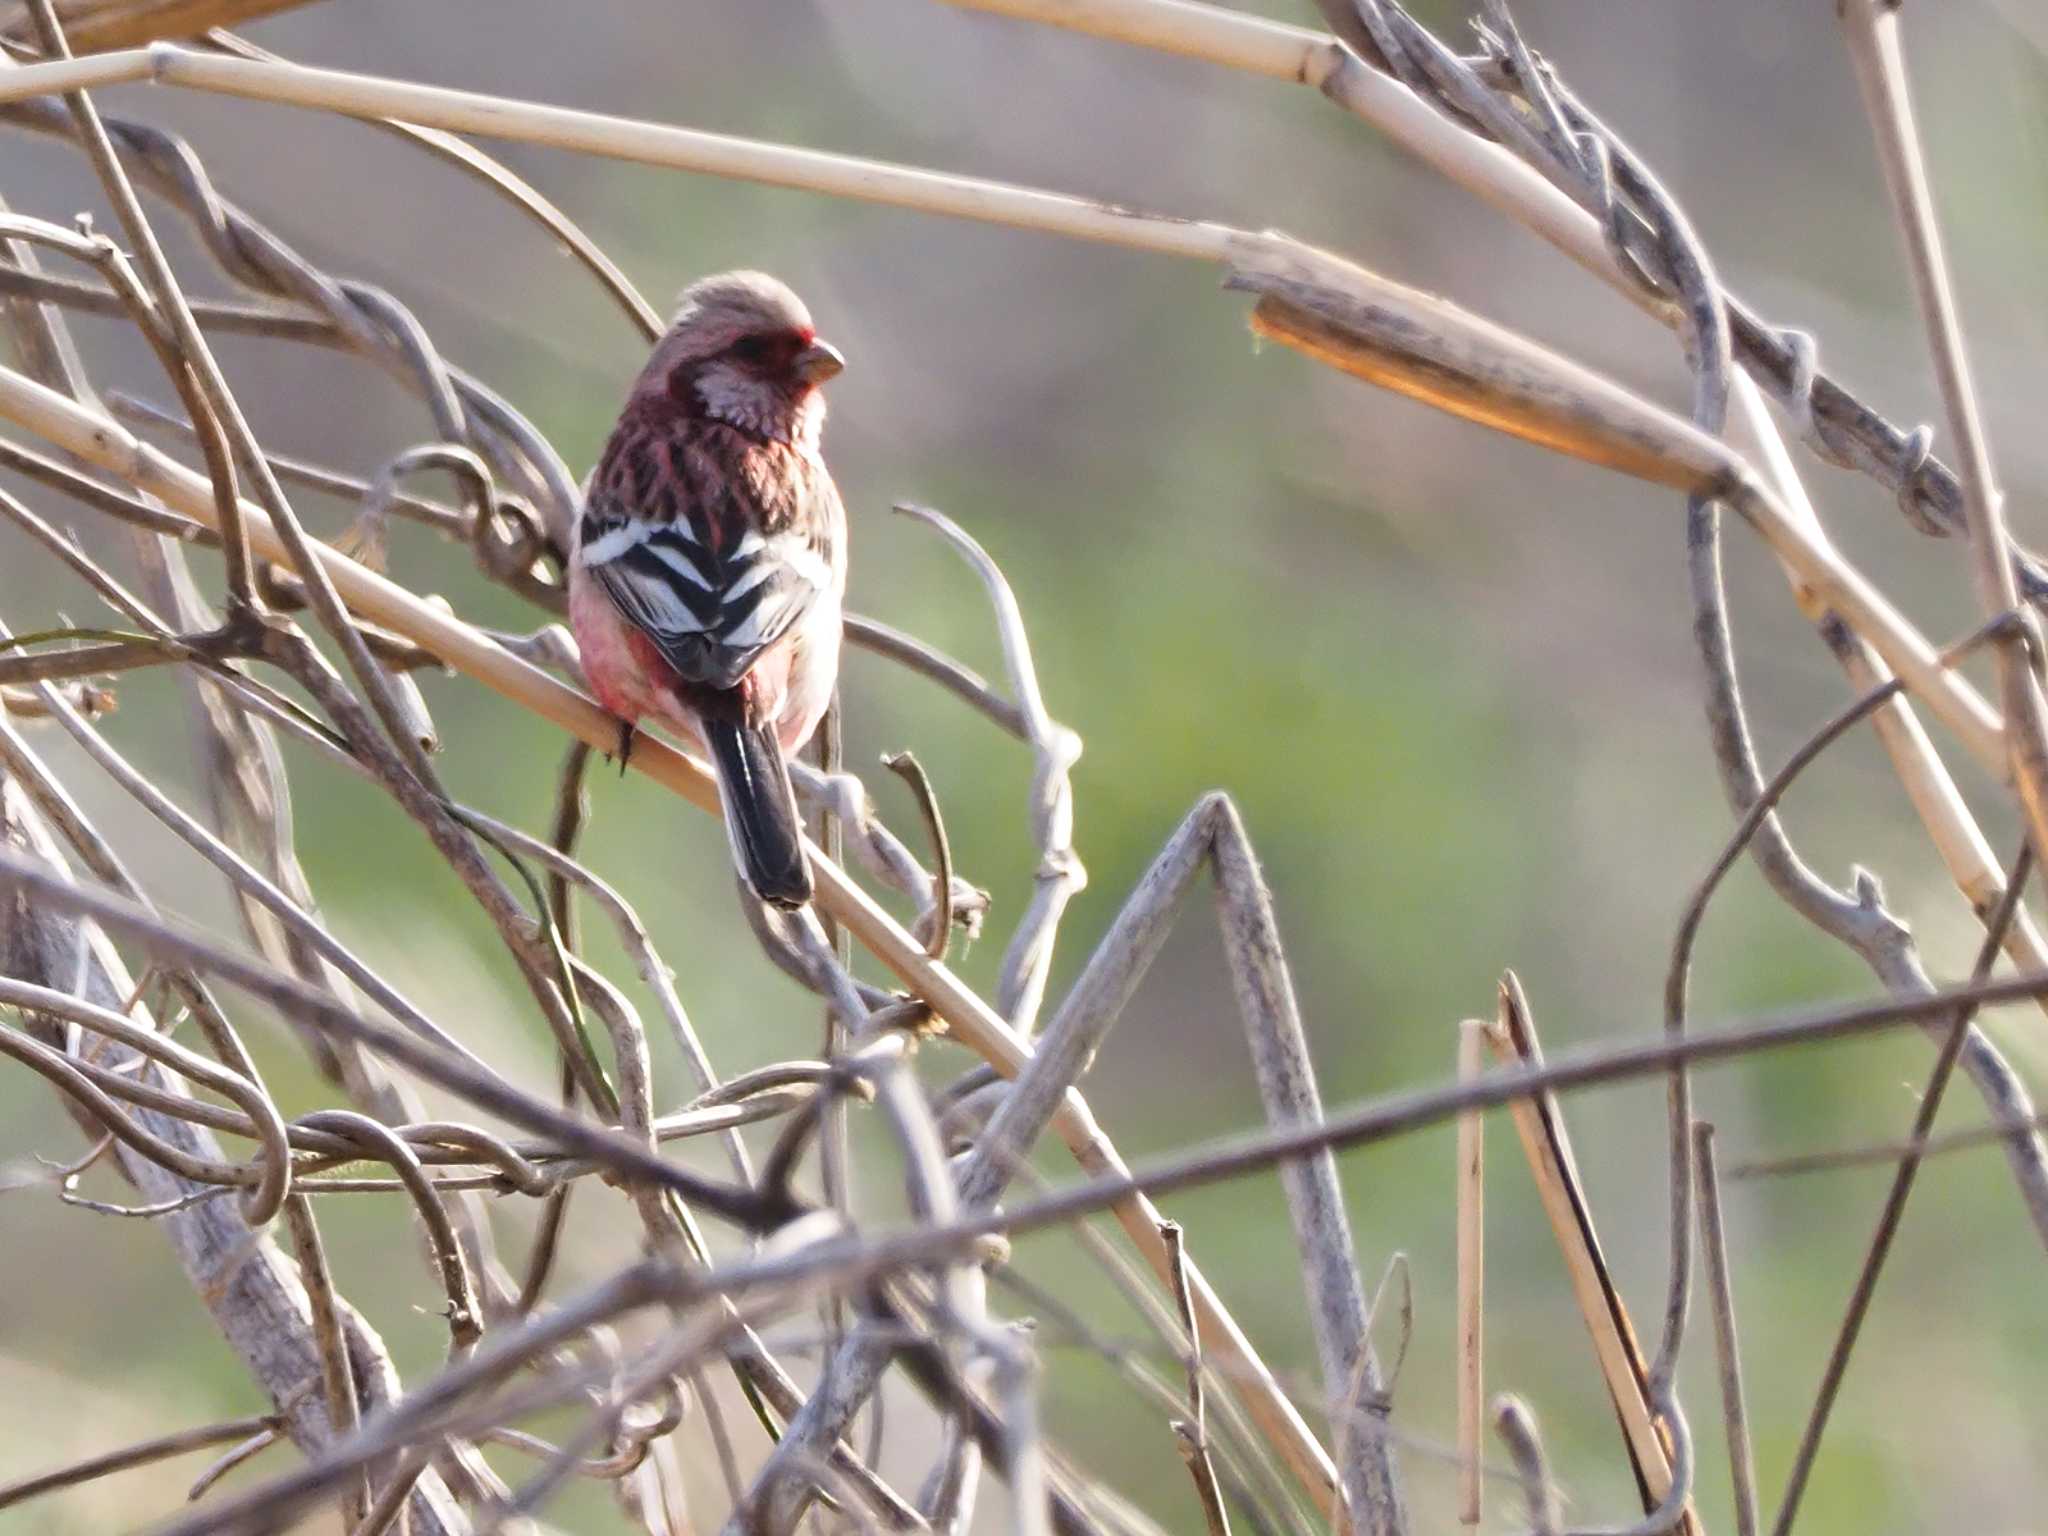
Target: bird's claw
623,752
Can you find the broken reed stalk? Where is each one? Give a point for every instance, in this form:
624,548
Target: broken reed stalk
1539,1123
1428,349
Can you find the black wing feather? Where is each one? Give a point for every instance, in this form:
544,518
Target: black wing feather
710,613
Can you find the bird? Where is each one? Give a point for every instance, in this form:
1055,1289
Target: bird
708,568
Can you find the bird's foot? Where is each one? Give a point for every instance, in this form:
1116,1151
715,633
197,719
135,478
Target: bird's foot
624,750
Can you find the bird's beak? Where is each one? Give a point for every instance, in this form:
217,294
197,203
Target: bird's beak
818,362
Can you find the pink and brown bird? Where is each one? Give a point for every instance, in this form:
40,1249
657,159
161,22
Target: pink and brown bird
709,561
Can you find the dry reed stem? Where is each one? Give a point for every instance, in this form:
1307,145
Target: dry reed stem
1354,1392
627,139
1428,349
1872,29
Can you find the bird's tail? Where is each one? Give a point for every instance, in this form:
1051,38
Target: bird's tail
761,816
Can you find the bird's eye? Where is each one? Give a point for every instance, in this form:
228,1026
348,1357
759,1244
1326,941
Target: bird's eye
751,349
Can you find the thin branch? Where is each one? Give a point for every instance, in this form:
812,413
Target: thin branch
337,1372
907,768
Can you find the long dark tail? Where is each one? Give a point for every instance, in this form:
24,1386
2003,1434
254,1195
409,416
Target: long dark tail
760,811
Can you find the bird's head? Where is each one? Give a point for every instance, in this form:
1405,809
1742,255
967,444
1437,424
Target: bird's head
742,350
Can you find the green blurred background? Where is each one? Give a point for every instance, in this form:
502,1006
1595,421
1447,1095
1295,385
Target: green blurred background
1449,680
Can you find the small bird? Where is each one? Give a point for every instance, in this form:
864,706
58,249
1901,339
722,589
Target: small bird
709,562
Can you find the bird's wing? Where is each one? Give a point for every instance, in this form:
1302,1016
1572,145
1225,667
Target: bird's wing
710,607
